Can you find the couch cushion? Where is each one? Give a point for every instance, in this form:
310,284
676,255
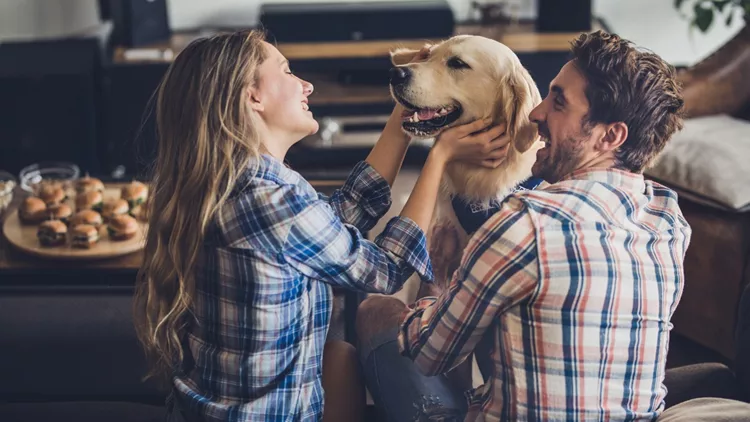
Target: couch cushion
708,162
707,409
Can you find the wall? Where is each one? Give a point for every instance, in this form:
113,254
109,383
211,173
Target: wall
657,26
34,19
652,24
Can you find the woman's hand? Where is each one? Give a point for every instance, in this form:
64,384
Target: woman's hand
470,143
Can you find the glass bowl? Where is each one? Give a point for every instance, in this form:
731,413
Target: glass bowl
7,185
32,177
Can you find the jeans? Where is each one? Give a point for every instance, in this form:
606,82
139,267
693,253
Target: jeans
401,393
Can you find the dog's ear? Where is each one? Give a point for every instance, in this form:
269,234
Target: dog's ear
519,96
402,56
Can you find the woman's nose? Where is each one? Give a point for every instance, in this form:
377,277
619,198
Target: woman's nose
307,88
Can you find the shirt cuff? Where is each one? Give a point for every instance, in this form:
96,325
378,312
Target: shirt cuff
405,239
408,336
366,187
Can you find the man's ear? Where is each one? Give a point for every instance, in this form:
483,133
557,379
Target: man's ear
615,135
519,96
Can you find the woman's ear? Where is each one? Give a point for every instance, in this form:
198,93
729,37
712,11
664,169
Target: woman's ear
519,96
253,98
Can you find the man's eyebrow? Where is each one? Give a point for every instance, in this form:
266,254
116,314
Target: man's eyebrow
557,89
284,61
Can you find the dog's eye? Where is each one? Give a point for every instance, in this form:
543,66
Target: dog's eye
456,63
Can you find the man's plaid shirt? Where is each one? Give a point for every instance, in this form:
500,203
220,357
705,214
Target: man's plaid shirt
574,285
263,293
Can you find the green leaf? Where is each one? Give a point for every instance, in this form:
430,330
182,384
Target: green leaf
704,16
720,4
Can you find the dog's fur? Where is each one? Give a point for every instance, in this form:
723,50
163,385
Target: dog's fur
495,85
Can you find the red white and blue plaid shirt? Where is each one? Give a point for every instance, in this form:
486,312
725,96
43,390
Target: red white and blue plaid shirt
263,292
575,283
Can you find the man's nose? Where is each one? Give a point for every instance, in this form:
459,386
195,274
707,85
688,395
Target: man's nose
537,115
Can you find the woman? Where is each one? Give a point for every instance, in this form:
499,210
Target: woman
235,296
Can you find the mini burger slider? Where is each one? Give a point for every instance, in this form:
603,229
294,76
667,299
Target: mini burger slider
89,184
135,193
113,208
32,210
89,217
60,212
90,201
122,227
52,233
52,194
84,236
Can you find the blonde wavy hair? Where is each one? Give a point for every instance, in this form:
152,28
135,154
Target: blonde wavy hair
206,139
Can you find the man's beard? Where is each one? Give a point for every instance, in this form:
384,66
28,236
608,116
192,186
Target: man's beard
562,157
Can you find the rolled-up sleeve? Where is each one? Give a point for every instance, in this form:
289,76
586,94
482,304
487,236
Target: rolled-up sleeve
499,268
363,199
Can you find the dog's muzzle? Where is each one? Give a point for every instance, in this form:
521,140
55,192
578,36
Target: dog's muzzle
399,76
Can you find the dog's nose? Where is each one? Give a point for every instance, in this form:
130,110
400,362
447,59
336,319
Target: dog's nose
399,75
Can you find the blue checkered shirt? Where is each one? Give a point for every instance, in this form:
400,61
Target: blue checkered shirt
263,292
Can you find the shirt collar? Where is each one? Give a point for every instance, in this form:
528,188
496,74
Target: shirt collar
623,179
269,168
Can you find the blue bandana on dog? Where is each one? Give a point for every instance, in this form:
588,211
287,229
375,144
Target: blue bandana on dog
472,216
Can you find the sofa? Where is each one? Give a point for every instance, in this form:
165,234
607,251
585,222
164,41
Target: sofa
708,164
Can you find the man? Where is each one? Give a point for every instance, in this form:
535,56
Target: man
572,285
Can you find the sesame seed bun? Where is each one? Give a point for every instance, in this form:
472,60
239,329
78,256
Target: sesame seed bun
84,236
52,194
59,212
32,210
122,227
89,200
89,217
113,208
52,233
88,184
135,193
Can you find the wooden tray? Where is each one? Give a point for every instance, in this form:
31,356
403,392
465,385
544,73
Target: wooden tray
23,237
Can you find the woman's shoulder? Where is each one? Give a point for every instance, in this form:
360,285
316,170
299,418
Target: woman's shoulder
267,173
264,206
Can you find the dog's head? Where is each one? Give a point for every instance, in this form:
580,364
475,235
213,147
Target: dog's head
463,79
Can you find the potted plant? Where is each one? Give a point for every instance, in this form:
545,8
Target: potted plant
702,13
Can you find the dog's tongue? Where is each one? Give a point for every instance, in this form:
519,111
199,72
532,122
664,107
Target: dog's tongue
423,114
427,114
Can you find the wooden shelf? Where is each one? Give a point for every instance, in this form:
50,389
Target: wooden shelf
520,38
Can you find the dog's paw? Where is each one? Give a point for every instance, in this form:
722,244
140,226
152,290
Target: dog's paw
445,253
444,242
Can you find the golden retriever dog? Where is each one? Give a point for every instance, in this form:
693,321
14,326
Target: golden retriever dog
467,78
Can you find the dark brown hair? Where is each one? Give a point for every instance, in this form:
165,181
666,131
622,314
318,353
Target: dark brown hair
625,84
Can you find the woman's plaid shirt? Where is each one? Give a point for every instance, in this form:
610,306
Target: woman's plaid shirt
263,290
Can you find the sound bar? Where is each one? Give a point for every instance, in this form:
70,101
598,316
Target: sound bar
386,20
